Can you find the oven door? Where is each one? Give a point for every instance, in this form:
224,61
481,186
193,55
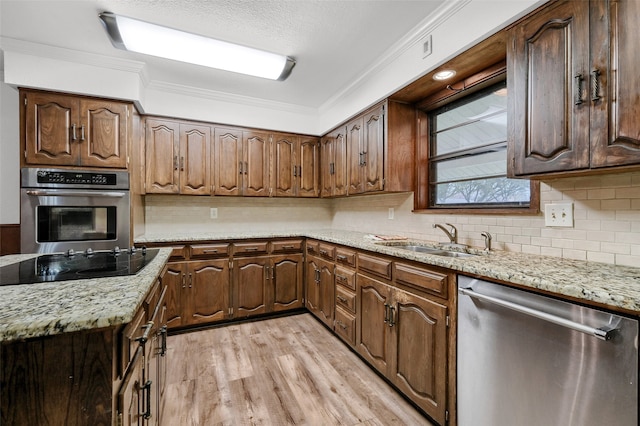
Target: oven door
56,220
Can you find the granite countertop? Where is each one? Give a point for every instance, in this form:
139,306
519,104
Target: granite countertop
44,309
615,287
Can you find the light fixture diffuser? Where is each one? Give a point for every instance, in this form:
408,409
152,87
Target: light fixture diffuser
155,40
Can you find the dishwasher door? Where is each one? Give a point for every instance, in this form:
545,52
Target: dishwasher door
526,359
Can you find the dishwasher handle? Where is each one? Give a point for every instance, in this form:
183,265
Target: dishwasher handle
602,333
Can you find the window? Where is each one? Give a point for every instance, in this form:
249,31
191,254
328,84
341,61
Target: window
467,161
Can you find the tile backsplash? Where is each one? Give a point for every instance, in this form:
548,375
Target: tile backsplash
606,218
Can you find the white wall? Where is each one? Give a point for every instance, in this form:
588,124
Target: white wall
9,155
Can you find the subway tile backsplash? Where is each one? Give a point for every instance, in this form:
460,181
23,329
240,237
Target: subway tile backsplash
606,218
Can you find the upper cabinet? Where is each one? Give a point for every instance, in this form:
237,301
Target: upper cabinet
178,157
66,130
378,153
574,92
295,166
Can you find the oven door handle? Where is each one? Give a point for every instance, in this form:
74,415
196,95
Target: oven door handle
40,193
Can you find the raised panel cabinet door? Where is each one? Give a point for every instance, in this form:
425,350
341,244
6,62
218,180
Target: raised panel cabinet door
162,156
312,287
228,164
373,337
208,289
103,133
174,277
326,292
250,288
286,279
285,165
341,164
195,159
51,130
130,398
419,363
327,165
615,86
256,164
308,168
548,79
373,151
355,155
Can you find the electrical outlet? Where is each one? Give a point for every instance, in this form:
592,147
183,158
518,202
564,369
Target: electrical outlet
213,213
560,215
391,212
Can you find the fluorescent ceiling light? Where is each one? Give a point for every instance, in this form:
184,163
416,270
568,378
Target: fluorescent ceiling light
150,39
444,75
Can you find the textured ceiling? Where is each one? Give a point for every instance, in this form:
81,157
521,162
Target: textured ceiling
333,42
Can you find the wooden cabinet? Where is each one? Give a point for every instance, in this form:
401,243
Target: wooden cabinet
320,298
250,286
66,130
379,152
287,282
295,166
178,158
572,73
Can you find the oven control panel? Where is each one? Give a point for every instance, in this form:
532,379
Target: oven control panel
75,178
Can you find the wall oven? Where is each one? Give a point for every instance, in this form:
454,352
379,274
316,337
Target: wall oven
64,210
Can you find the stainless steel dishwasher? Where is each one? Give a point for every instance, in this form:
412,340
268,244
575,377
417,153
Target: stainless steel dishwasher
531,360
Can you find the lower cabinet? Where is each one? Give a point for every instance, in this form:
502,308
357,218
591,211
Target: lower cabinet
320,289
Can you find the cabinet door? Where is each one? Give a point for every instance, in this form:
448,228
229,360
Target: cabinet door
308,166
130,398
195,157
286,280
373,337
312,301
419,361
174,277
285,165
162,152
103,133
51,129
228,161
326,292
355,153
208,289
548,74
256,164
341,164
250,293
615,138
327,165
373,151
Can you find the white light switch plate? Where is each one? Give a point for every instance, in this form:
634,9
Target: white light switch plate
213,213
391,213
560,215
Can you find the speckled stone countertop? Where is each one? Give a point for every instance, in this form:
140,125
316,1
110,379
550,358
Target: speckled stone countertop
44,309
615,287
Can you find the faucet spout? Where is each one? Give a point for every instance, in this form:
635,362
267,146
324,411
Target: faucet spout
452,233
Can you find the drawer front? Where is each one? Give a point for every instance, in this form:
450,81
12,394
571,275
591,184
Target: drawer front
327,251
209,250
132,331
346,277
247,249
286,246
345,326
374,265
178,252
312,247
346,257
421,279
346,299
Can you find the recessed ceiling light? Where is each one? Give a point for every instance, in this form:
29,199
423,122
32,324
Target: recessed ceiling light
444,75
150,39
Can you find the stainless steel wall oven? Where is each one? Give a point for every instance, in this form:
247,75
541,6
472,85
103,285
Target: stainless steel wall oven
64,210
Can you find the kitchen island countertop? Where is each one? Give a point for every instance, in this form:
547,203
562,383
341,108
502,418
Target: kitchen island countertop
44,309
600,284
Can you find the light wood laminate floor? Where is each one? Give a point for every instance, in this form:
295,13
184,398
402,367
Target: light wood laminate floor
280,371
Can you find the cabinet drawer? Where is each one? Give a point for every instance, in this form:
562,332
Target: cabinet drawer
346,277
131,332
346,299
374,265
422,279
312,247
259,247
178,252
209,250
286,246
346,257
345,326
327,251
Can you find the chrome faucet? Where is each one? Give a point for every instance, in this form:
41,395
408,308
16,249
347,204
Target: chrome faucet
452,233
487,241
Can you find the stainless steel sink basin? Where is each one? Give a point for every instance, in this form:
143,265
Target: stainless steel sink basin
433,250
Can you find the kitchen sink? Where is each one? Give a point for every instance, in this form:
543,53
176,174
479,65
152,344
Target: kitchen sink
430,250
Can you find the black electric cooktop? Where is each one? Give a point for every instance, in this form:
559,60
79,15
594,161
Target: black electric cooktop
61,267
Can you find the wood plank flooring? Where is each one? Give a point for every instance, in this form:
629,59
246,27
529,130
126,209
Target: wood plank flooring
280,371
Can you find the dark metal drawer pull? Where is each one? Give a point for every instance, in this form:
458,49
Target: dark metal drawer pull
342,299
